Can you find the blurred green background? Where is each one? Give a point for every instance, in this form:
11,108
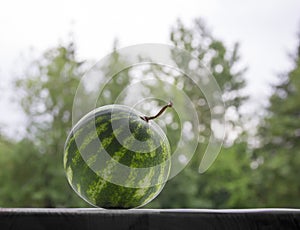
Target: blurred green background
254,168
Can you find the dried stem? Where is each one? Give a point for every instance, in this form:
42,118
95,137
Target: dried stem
145,118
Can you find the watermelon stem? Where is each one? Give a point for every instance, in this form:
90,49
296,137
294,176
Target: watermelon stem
145,118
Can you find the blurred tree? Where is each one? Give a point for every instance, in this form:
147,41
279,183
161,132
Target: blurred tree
20,164
228,183
210,190
222,62
6,167
114,82
278,158
46,95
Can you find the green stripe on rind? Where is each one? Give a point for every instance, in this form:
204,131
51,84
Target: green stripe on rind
91,123
92,136
95,189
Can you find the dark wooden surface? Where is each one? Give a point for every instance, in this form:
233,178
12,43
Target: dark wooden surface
149,219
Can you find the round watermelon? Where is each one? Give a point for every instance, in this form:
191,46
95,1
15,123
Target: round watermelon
116,158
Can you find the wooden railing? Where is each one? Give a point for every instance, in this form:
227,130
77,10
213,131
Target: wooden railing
165,219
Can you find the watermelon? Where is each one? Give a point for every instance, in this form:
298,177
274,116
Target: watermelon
116,158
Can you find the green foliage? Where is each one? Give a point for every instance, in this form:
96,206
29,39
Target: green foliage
190,189
279,155
6,167
222,62
229,179
21,170
36,177
113,81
